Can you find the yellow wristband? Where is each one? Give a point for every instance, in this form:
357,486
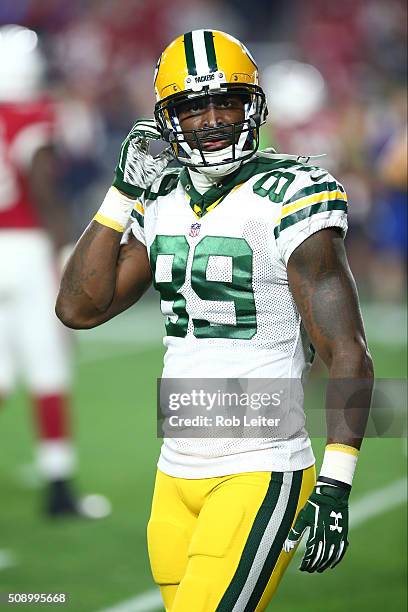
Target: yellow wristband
108,222
339,462
115,210
344,448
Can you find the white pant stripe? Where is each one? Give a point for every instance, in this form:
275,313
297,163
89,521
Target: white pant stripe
265,544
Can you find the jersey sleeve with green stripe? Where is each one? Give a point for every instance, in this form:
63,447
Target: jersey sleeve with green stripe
160,187
137,220
314,200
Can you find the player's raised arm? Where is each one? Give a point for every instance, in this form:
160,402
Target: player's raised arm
325,294
104,277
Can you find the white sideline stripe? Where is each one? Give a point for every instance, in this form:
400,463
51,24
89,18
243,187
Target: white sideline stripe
145,602
377,502
7,559
370,505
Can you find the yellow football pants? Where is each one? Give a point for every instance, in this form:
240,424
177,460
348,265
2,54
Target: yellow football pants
215,544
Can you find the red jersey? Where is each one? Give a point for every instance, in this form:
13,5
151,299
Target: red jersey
24,128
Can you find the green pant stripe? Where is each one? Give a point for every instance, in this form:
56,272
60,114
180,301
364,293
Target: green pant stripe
261,521
189,50
277,545
304,213
210,49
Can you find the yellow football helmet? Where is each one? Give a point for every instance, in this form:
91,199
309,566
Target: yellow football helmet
204,63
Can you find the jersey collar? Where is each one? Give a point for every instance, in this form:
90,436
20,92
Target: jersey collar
201,203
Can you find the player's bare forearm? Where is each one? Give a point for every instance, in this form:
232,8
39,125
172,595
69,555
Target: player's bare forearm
90,277
326,296
102,278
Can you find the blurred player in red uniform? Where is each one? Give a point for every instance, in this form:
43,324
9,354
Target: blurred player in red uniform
34,228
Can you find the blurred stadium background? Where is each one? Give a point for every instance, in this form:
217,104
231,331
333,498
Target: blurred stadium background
335,77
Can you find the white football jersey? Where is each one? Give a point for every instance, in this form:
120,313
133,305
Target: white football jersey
219,261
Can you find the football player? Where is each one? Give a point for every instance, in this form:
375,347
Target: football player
34,230
246,250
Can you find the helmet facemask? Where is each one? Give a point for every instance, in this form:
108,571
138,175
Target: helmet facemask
188,146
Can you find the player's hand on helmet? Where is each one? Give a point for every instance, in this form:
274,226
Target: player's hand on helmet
326,516
137,169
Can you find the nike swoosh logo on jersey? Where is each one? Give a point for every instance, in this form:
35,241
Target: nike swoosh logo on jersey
317,178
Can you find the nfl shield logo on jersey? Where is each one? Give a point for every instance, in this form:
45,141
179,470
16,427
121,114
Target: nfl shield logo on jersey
194,230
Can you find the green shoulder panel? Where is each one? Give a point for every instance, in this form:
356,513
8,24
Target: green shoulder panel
275,176
278,172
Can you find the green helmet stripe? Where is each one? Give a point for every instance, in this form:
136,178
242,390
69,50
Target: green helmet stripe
210,49
189,50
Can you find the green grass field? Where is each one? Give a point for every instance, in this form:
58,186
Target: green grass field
102,563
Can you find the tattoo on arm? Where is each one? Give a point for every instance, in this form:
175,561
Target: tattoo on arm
102,278
90,277
326,296
79,272
325,292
